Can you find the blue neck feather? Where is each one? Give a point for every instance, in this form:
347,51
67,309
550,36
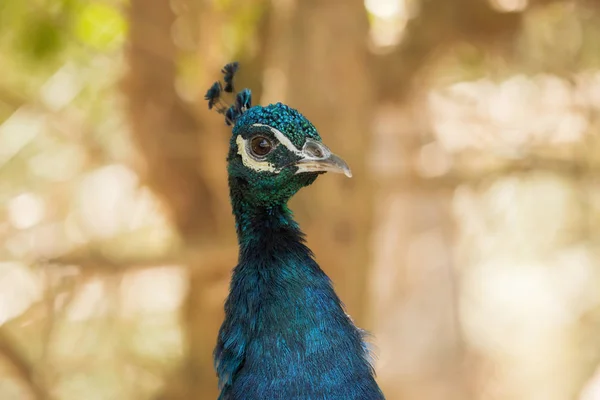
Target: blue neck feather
285,334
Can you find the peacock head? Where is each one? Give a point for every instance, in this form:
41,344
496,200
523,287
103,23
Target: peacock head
274,150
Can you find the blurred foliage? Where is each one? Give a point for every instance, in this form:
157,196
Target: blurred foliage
101,26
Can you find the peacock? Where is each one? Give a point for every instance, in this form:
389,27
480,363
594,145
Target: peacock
286,334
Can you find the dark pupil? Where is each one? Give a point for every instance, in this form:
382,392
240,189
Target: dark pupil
261,145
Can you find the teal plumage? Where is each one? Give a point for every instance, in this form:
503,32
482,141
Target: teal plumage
285,334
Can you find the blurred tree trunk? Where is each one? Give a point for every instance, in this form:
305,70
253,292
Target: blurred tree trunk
186,170
438,26
320,46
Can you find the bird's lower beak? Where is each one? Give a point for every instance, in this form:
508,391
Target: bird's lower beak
316,157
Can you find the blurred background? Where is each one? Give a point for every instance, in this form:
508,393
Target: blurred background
468,241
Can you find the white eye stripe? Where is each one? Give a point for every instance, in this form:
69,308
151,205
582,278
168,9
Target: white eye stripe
287,143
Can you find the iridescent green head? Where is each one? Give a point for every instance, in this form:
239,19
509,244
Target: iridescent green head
274,150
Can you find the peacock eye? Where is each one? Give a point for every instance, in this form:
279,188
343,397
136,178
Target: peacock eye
261,146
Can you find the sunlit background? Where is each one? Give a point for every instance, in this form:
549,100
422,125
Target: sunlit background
468,241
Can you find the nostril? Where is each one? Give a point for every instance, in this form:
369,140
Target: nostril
314,150
317,152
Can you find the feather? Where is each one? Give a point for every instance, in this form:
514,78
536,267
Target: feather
229,71
243,101
213,94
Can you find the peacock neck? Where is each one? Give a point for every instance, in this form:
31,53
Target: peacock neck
256,224
285,331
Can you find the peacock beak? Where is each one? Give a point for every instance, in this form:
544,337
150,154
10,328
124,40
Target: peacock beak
316,157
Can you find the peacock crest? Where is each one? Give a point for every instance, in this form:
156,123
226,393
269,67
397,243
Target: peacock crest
241,103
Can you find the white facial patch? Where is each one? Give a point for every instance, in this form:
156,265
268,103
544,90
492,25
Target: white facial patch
249,161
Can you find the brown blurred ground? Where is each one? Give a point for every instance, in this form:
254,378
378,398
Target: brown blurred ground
467,241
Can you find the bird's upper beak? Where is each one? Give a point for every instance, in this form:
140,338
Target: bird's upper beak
316,157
